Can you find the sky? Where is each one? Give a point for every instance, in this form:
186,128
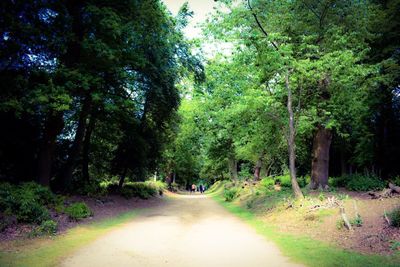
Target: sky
200,8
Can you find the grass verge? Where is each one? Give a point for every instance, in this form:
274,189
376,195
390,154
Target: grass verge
306,250
49,251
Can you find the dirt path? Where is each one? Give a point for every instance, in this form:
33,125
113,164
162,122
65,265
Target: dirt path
186,231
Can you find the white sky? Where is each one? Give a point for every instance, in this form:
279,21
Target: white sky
200,8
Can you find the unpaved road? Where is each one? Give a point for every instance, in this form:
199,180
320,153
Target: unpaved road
186,231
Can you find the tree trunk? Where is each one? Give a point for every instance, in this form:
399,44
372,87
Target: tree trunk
343,169
122,178
291,142
86,148
77,144
52,128
233,169
257,169
320,158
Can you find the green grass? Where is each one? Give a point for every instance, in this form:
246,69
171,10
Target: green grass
306,250
50,251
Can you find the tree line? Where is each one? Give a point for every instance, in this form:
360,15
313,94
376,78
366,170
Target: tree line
88,88
306,87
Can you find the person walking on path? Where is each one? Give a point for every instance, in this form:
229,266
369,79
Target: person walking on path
193,188
201,189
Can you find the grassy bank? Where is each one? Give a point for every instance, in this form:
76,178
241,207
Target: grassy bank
49,251
302,249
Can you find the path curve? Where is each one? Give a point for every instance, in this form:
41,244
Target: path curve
187,231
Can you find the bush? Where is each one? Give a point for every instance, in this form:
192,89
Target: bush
339,181
28,201
78,211
394,217
231,193
92,189
284,181
267,183
48,227
173,187
357,221
357,182
304,180
139,189
396,180
32,212
41,194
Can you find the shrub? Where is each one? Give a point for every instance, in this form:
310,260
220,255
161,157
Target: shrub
139,189
396,180
303,180
357,182
48,227
158,185
173,187
284,181
31,211
231,193
92,189
78,211
339,181
40,194
357,221
340,224
394,217
28,201
112,188
267,183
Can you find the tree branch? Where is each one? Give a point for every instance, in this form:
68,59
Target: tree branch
312,10
259,24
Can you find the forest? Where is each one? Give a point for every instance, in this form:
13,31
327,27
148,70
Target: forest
307,88
298,98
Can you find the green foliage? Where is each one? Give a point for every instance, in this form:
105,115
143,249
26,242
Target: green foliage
29,202
48,227
139,189
394,245
31,211
303,180
357,221
92,189
340,181
174,187
267,183
340,224
394,217
231,193
283,180
78,211
396,180
359,182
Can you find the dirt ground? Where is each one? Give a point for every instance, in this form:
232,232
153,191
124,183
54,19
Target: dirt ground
375,236
187,230
102,207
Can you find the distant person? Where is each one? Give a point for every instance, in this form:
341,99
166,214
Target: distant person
193,188
201,189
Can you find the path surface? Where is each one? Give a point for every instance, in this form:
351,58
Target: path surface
186,231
